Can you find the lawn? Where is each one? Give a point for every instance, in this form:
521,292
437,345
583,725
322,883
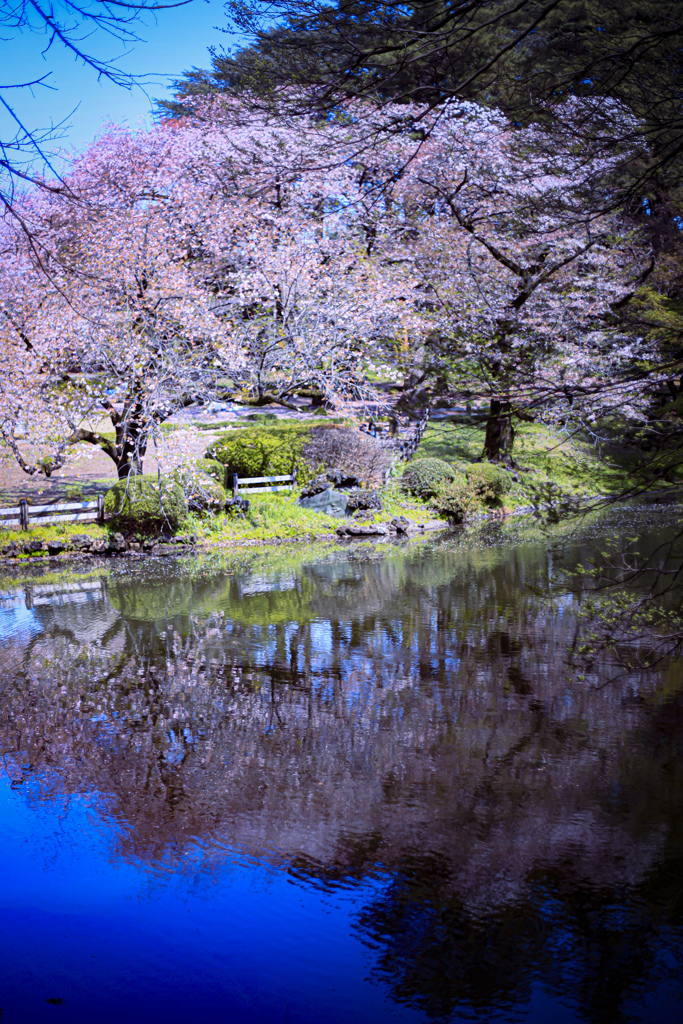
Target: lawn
571,465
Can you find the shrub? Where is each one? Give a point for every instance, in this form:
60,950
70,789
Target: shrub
481,484
424,477
140,504
213,469
457,499
203,493
347,449
263,451
489,481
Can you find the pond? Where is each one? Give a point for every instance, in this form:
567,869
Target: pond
362,783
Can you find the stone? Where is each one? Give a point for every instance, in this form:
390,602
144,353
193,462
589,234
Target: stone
315,486
342,480
117,543
237,505
360,530
32,547
82,542
402,525
164,549
99,546
54,547
364,501
337,479
329,501
11,549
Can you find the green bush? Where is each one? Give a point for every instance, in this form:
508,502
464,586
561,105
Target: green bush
457,499
424,477
480,485
203,493
489,481
263,451
139,504
213,469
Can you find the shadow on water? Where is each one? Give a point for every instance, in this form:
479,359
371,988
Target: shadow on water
406,717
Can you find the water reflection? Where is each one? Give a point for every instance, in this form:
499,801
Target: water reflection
405,715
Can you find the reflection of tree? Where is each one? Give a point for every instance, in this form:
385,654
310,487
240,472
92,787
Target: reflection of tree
363,714
597,948
584,930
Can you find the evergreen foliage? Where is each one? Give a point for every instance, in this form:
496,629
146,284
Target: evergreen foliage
488,481
263,451
423,477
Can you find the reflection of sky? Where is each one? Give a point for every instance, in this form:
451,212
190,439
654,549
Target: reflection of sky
216,938
17,619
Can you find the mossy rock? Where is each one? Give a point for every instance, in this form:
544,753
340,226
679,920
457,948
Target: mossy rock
138,504
424,477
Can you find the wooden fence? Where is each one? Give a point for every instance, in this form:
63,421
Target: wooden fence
26,516
405,448
260,484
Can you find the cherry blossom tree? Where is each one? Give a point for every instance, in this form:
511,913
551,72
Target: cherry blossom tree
183,263
518,261
103,312
238,252
489,252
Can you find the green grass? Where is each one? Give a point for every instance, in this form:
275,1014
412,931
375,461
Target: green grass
55,531
270,517
570,465
279,517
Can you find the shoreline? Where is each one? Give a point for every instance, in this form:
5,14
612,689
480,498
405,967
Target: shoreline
114,545
164,548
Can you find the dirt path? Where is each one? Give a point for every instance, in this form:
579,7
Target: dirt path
84,477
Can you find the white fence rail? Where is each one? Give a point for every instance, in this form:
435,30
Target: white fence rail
26,516
261,484
30,596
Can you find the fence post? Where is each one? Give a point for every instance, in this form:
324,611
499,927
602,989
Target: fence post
294,473
23,514
100,508
235,485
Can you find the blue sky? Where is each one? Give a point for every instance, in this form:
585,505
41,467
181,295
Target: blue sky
173,42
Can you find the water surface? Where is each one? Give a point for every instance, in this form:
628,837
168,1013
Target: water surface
345,784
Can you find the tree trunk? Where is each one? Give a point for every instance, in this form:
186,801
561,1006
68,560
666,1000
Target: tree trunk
130,453
500,433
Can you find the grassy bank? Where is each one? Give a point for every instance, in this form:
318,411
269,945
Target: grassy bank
271,517
541,456
541,459
279,517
